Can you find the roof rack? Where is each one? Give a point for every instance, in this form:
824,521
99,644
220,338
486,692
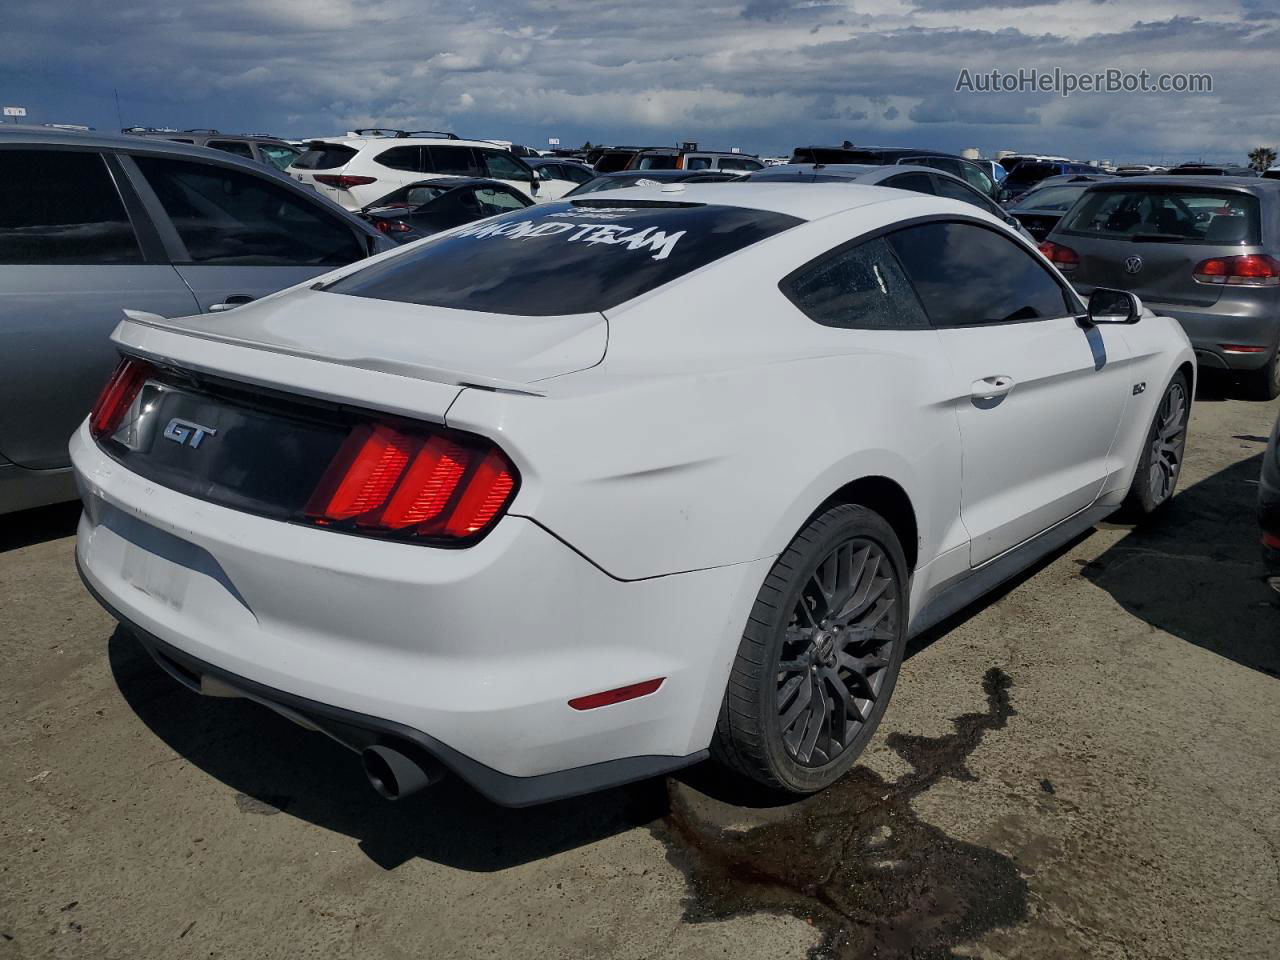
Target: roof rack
200,130
439,134
377,132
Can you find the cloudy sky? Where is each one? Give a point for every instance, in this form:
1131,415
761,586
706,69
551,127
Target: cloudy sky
763,75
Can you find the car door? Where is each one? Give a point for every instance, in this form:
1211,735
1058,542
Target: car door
1039,393
75,251
236,235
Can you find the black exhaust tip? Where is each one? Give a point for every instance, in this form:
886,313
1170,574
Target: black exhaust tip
396,772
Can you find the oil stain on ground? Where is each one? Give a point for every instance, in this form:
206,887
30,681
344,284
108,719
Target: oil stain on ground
855,860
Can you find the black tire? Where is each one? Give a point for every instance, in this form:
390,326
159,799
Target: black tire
1162,450
1263,384
802,637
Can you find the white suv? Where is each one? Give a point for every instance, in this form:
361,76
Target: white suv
355,171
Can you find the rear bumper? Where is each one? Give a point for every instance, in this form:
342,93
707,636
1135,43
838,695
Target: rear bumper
22,489
476,650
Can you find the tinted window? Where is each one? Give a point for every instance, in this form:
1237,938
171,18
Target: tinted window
493,201
861,288
977,178
1050,198
232,217
454,161
61,207
954,190
917,182
503,166
564,257
1027,173
657,161
402,158
238,147
324,156
740,163
697,163
1171,215
967,274
613,160
571,171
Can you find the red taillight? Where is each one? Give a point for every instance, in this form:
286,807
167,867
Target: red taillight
392,226
392,481
1064,258
117,396
342,181
629,692
1253,270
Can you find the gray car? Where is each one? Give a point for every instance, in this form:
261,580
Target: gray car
92,224
1201,249
251,146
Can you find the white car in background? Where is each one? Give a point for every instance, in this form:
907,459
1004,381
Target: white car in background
354,171
557,177
586,492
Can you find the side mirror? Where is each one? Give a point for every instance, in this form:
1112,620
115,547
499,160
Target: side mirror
1114,306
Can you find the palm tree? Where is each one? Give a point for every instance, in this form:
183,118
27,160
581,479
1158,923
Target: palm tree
1262,158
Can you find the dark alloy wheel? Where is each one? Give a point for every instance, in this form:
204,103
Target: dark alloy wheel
1160,465
820,654
836,651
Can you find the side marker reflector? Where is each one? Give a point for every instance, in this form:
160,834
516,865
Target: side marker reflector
629,692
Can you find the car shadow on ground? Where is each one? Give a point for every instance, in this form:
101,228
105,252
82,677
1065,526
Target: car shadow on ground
275,766
26,528
1195,570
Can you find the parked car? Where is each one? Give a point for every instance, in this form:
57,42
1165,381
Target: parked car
673,158
648,178
557,177
1139,170
1009,161
612,159
1269,507
252,146
1211,170
1272,173
1201,249
91,224
429,206
1043,205
900,176
356,171
969,171
519,501
1029,173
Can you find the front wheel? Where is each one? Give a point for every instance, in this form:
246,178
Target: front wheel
819,657
1161,462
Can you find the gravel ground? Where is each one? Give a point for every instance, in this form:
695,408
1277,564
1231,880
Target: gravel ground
1085,765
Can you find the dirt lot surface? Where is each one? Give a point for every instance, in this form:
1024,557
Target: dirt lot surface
1086,765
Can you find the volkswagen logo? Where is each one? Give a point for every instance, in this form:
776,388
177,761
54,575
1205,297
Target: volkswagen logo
1133,265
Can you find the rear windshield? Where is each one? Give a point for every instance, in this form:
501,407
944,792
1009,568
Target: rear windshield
1167,214
613,160
1031,172
324,156
564,257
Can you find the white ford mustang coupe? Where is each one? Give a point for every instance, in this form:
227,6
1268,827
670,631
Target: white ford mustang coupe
587,492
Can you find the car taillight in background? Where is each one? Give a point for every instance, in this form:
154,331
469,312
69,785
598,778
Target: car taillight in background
1064,258
342,181
1253,270
392,226
118,395
387,481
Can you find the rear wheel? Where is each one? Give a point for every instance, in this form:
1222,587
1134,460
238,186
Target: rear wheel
1263,384
820,655
1161,462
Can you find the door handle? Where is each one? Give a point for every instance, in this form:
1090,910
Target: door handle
990,388
237,300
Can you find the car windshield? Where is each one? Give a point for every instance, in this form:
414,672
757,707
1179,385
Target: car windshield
564,257
1051,198
1167,214
614,183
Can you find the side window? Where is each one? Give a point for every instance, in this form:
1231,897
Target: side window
278,155
918,182
237,147
402,158
503,166
966,274
954,190
232,217
697,163
452,161
861,288
60,206
576,173
977,178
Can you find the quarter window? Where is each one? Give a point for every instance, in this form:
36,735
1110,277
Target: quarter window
861,288
228,216
61,206
966,275
402,158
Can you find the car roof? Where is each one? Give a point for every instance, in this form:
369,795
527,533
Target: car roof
1255,185
45,136
407,142
654,174
806,201
853,172
452,182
